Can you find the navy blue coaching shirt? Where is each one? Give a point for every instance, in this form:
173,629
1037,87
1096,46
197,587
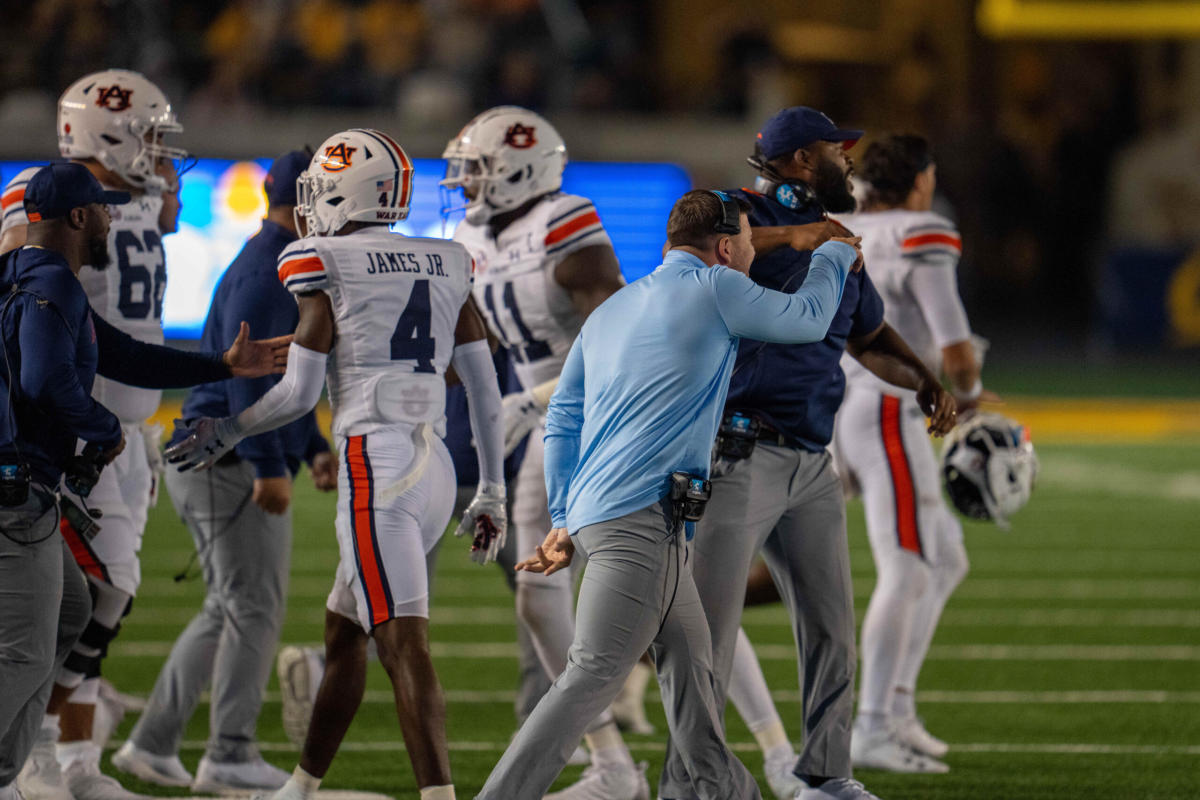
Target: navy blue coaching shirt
797,388
250,290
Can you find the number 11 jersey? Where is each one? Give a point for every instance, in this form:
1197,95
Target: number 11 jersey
396,301
515,288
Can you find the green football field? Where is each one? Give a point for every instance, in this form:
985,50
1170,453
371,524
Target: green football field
1067,664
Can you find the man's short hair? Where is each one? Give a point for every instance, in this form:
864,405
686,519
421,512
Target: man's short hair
695,217
891,166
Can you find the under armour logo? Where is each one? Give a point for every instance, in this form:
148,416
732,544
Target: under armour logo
114,98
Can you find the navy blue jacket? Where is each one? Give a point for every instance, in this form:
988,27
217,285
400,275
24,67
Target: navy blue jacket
53,348
250,290
797,388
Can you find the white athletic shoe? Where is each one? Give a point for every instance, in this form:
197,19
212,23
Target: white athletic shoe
784,784
608,782
11,792
300,670
629,708
213,777
109,713
41,777
912,732
88,783
150,767
289,791
835,789
883,749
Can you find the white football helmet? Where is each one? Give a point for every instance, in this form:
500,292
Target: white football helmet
503,157
989,467
359,175
119,118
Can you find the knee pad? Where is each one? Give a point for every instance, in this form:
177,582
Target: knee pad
903,577
952,564
109,607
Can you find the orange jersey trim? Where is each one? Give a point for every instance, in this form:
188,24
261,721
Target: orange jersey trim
300,265
13,197
933,238
574,226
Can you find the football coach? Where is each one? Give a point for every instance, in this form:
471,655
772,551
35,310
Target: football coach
53,347
628,437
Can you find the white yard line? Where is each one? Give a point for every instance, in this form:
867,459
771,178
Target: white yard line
783,652
749,747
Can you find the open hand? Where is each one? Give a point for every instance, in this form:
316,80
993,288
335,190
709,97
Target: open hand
553,554
253,359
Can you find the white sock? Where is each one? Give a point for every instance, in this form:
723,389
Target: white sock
49,725
306,785
772,740
438,792
903,703
607,746
748,689
634,688
84,752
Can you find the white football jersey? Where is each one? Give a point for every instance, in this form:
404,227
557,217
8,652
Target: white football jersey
396,301
908,252
128,294
12,204
525,307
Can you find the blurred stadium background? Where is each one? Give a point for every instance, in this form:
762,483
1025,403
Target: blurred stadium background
1068,145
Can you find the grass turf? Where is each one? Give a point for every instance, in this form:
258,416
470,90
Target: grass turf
1090,606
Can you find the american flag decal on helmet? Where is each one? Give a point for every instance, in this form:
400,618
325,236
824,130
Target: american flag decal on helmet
385,186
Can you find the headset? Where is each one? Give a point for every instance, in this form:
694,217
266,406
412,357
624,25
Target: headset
731,214
793,194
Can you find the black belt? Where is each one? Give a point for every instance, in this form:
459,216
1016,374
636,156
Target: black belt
771,436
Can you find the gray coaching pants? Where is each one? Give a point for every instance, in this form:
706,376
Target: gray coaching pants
244,553
787,503
44,606
636,593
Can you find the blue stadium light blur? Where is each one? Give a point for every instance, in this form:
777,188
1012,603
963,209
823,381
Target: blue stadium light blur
223,204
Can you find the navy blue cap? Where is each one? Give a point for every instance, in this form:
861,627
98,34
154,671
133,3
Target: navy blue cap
800,126
57,188
280,183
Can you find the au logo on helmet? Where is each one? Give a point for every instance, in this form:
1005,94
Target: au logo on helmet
114,98
337,157
520,136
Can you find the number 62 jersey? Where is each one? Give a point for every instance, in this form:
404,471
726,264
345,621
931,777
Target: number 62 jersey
515,288
128,294
396,301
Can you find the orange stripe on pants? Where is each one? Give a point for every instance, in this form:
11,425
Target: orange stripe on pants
360,523
902,486
83,554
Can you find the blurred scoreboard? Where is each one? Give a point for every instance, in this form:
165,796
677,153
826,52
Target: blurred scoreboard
223,203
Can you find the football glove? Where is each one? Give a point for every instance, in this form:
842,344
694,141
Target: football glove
487,519
522,413
152,439
208,440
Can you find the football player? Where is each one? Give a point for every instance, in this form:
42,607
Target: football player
880,438
113,122
543,262
381,316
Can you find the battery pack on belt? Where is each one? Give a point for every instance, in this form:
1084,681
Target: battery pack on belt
689,495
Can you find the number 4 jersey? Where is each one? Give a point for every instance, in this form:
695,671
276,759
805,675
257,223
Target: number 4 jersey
396,302
515,286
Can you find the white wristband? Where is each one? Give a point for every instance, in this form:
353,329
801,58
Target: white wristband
972,394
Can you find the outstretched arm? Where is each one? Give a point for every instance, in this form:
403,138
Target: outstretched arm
754,312
288,400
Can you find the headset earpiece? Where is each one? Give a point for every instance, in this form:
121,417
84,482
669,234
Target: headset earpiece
796,195
731,215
